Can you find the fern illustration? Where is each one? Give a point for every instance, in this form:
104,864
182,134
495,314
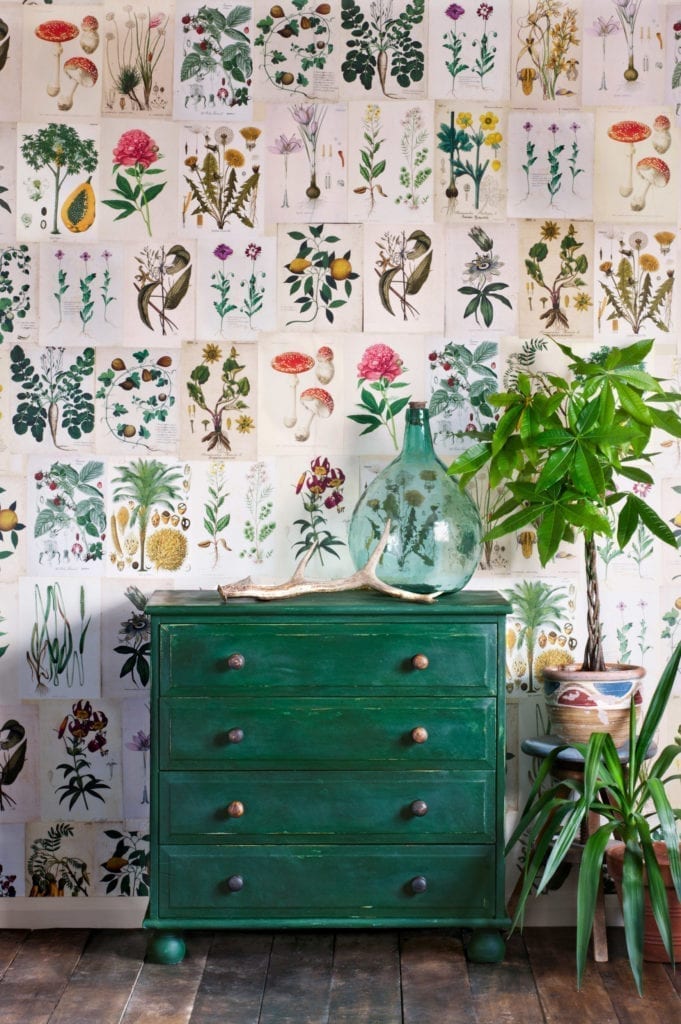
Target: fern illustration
521,362
52,874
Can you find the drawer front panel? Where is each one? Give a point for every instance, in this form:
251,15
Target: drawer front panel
326,882
337,806
259,733
334,655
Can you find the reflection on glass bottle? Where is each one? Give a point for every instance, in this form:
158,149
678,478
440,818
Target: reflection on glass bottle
435,537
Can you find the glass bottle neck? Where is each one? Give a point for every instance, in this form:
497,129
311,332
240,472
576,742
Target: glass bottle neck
418,441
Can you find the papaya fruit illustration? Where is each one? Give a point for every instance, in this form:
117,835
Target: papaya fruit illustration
78,211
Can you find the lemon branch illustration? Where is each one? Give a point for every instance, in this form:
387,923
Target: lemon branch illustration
403,268
317,275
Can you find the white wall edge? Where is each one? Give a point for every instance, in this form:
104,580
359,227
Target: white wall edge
93,912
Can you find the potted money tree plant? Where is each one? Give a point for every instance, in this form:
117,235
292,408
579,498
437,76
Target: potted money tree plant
571,455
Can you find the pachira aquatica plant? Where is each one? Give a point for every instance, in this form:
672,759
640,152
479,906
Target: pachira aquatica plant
633,806
565,449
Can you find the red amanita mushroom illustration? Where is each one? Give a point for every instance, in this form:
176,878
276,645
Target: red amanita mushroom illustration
81,71
325,368
89,38
317,402
56,32
629,132
654,173
292,363
662,138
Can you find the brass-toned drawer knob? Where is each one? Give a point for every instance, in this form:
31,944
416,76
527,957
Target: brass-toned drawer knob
419,808
235,883
235,735
419,734
420,661
235,809
418,884
236,661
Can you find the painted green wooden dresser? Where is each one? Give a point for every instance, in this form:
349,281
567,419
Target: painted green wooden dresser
331,761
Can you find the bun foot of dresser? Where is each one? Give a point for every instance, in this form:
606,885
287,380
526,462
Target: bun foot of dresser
166,948
486,946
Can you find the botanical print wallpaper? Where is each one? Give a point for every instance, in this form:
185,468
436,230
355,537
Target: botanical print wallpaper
236,238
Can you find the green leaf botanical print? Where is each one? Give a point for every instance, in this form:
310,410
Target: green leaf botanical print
53,396
295,45
381,43
403,267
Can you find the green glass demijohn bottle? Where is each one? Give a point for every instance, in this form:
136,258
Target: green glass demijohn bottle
435,536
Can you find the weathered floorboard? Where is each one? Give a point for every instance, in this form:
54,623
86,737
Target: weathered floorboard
299,979
233,981
506,992
660,1002
365,985
39,973
435,985
100,986
553,967
11,940
167,994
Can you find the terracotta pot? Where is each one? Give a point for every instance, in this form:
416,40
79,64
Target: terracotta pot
653,947
581,703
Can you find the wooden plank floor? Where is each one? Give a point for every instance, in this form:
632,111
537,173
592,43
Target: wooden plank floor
348,977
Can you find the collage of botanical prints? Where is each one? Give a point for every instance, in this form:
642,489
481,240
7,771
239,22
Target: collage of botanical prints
236,239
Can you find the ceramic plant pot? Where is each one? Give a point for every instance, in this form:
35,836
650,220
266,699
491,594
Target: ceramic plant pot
653,947
581,703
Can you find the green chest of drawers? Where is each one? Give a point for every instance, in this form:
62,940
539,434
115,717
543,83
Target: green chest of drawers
332,761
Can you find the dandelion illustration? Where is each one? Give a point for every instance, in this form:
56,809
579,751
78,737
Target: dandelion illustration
629,289
252,303
454,43
284,146
221,283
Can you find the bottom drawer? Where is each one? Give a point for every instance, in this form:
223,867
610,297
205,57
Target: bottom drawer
326,883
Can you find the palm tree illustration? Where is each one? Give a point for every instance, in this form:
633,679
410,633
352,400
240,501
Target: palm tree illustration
536,604
146,483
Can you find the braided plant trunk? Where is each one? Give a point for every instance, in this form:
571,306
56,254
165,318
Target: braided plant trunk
594,660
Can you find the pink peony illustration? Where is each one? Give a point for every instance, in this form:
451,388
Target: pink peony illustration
135,147
380,361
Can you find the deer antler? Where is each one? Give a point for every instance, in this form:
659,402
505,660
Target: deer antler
365,578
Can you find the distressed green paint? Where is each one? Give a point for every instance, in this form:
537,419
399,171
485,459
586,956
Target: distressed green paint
310,731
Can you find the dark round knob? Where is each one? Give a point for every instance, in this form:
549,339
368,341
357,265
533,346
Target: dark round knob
419,808
235,735
235,809
420,661
236,661
419,884
419,734
235,883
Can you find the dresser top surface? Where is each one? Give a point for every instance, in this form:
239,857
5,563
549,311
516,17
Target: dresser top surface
354,602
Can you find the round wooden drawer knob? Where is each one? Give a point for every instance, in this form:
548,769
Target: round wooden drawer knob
235,883
419,734
419,808
235,809
420,661
236,661
235,735
418,884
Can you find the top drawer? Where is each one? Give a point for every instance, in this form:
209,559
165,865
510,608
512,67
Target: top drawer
340,656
